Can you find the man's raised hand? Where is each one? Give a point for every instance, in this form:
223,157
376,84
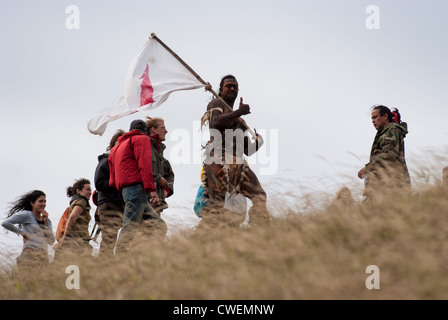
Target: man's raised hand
244,108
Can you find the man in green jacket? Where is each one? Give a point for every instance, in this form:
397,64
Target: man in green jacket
387,172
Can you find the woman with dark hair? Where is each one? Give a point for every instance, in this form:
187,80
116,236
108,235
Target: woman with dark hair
29,213
387,172
76,236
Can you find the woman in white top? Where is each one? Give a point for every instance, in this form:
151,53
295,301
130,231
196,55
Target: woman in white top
28,212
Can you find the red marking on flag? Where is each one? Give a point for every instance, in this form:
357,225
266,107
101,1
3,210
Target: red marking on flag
146,95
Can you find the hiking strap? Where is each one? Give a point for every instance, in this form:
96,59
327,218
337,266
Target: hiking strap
98,230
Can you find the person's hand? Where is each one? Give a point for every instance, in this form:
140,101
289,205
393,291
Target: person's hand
45,216
363,173
154,198
259,139
26,238
58,245
244,108
163,182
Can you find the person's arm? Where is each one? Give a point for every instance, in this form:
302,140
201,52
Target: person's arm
390,149
389,152
17,218
143,155
48,229
102,174
250,147
168,174
110,163
74,215
363,173
221,120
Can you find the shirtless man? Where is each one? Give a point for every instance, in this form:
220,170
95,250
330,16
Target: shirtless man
224,164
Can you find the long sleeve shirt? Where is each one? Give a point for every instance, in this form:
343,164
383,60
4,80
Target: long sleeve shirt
41,235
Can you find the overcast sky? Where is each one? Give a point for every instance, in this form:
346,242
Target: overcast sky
310,70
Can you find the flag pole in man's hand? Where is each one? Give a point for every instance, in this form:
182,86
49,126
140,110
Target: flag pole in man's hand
208,86
153,75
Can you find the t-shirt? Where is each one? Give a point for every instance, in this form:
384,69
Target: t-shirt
41,235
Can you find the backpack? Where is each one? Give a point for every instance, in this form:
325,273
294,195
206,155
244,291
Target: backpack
201,201
60,230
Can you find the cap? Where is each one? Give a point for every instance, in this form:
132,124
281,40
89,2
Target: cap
138,125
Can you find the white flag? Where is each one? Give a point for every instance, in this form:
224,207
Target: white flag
152,76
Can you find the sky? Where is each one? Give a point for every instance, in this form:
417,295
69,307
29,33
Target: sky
310,70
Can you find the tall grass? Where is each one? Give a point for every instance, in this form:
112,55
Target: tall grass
322,254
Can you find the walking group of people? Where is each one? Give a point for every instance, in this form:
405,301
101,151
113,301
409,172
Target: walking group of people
133,180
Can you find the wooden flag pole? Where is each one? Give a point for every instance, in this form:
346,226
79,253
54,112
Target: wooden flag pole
208,86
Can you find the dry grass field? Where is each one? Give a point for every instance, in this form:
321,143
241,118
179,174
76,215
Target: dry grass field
320,254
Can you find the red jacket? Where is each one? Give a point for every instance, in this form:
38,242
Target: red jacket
130,162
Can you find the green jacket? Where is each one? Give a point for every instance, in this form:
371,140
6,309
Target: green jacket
387,166
388,146
161,167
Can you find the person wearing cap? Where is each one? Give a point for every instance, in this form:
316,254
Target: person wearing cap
131,173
